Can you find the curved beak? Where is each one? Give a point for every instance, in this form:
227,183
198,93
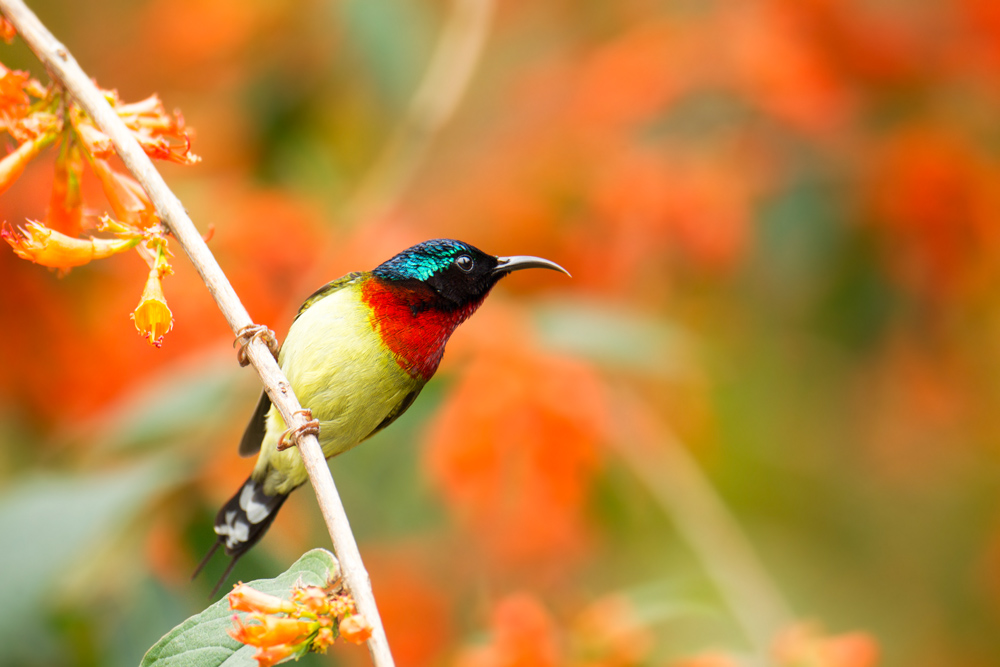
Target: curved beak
518,262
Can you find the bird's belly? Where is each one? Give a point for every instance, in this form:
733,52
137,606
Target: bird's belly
342,372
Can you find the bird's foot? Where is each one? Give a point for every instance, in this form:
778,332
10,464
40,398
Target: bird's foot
290,437
247,334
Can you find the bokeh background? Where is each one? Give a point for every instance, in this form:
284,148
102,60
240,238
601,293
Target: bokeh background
758,426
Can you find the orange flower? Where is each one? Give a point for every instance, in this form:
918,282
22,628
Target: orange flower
356,629
271,630
515,466
313,598
245,598
266,656
7,30
152,317
48,247
66,201
524,635
12,94
162,136
804,644
284,629
128,200
16,90
12,166
96,143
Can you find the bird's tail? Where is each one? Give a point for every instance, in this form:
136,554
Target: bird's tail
242,522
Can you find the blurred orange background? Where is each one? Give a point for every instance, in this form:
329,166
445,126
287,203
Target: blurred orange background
758,426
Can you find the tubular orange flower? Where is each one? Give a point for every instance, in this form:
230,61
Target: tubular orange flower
96,142
161,149
161,135
128,200
245,598
266,656
48,247
272,630
66,202
12,166
152,317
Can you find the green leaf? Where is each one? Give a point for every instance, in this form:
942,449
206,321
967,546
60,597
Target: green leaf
203,641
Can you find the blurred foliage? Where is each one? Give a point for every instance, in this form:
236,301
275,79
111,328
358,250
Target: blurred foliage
780,216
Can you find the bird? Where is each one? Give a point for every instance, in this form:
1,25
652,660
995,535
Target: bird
357,355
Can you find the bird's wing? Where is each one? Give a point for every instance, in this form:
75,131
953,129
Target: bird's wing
253,436
400,408
328,289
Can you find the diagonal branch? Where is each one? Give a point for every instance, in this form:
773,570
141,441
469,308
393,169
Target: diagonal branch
64,68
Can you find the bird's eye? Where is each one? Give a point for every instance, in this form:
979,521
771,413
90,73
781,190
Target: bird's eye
465,263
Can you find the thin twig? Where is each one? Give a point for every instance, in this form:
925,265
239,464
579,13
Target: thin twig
64,68
703,521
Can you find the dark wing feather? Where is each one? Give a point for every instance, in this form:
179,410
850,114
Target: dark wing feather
400,408
253,436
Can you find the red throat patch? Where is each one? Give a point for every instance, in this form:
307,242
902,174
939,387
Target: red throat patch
408,323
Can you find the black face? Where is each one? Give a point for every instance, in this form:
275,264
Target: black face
468,278
459,273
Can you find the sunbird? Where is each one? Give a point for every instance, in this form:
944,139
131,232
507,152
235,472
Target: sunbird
357,355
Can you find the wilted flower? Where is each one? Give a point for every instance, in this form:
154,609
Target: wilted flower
48,247
152,317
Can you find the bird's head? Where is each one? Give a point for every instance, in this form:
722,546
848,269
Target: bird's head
460,273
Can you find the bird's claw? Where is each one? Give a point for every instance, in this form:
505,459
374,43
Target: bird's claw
311,427
247,334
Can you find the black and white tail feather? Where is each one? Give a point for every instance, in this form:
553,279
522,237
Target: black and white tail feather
241,523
